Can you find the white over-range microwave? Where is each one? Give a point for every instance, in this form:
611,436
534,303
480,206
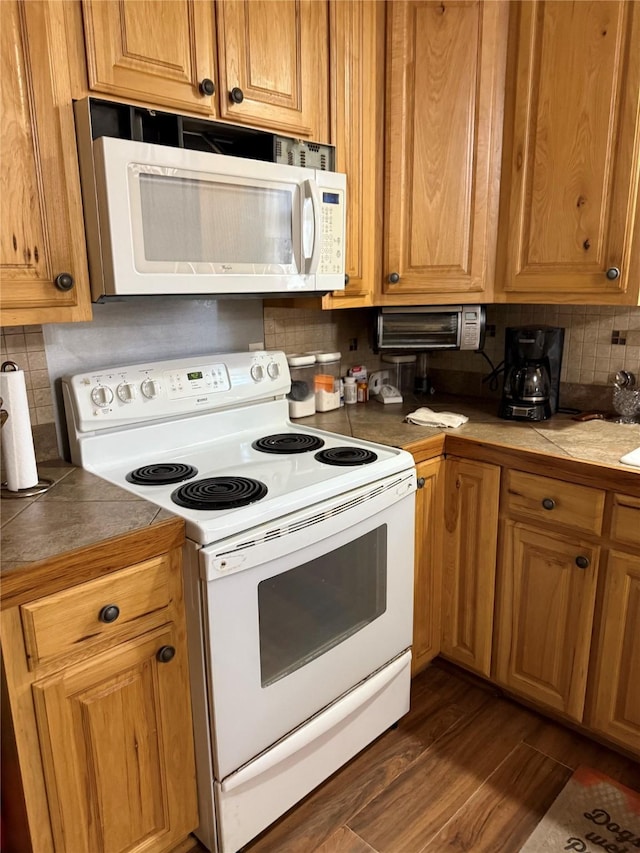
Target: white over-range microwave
167,214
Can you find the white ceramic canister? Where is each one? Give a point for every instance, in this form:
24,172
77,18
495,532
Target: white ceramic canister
302,397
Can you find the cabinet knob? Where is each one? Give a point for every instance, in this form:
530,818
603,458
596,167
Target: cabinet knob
64,281
165,654
420,482
109,613
393,278
548,503
346,278
613,273
236,95
583,562
207,87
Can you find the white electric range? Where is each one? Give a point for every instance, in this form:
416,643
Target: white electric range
298,569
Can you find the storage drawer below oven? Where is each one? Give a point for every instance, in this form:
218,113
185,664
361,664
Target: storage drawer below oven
252,798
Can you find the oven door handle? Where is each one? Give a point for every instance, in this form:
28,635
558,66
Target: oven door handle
315,728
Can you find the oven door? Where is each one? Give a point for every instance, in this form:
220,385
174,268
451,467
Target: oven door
311,606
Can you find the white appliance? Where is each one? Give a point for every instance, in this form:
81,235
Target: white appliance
298,570
169,219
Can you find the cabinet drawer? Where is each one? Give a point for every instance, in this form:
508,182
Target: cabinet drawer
625,520
554,501
89,614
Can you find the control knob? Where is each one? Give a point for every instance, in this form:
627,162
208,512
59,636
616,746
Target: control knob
102,395
126,392
150,388
273,369
257,372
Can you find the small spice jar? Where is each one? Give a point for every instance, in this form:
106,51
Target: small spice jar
362,391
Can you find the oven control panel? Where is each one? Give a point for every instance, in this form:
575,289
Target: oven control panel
109,397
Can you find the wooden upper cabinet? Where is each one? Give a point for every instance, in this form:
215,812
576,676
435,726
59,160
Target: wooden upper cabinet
273,58
356,50
569,223
274,64
42,230
445,92
155,52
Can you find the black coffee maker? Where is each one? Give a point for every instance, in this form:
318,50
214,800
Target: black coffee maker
532,363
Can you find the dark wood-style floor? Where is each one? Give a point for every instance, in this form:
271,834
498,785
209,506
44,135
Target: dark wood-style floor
465,770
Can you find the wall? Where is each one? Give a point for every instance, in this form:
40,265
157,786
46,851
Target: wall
123,332
128,332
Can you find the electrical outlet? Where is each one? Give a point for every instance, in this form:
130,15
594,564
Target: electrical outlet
258,345
353,344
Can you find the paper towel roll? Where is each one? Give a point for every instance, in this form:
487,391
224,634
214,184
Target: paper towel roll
19,458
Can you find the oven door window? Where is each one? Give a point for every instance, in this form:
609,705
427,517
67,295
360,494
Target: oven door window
313,607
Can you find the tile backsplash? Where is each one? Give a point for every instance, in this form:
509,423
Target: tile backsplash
599,340
24,345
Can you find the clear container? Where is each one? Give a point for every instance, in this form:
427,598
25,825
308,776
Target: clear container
402,371
302,397
327,380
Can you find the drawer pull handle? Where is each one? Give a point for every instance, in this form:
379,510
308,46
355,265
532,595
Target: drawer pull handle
549,503
165,654
583,562
236,95
420,482
109,613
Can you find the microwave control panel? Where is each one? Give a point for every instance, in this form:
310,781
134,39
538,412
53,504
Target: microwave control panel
333,228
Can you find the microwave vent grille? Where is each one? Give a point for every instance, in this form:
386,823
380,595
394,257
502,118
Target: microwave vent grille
312,155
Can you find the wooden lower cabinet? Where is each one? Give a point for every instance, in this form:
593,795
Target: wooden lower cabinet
545,600
116,739
101,731
614,707
469,547
428,574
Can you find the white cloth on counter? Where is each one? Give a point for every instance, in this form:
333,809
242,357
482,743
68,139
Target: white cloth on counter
427,417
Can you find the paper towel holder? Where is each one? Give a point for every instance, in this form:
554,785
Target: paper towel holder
43,484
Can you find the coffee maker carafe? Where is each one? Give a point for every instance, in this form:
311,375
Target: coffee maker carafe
532,363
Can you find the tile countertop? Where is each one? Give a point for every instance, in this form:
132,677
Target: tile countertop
81,509
597,441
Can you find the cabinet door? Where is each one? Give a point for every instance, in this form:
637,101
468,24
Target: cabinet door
116,738
274,64
357,67
42,230
547,588
615,686
428,566
444,123
469,561
156,51
570,230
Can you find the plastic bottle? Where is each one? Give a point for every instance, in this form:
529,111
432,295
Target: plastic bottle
350,390
362,391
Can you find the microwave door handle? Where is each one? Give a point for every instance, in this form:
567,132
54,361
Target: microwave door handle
312,211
